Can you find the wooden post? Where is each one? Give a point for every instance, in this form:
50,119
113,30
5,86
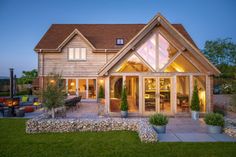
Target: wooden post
107,95
76,87
173,95
191,88
141,104
208,94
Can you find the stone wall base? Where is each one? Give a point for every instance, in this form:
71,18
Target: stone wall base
44,125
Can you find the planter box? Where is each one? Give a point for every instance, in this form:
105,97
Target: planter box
161,129
195,115
214,129
124,114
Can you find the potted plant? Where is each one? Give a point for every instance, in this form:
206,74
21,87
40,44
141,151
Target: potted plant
159,122
101,95
124,103
195,107
215,122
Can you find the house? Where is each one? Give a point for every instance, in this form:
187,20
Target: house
158,61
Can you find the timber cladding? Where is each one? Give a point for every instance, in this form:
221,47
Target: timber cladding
59,63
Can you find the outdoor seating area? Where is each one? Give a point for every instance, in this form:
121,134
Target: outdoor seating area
18,105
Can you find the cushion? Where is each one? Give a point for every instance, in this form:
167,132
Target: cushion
24,98
31,99
29,109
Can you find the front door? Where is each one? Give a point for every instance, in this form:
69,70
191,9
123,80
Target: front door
157,95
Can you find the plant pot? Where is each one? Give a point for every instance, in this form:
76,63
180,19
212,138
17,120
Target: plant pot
195,115
161,129
212,129
124,114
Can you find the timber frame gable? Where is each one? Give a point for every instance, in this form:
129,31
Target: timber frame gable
188,47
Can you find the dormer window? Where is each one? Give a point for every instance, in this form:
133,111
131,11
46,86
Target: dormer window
119,41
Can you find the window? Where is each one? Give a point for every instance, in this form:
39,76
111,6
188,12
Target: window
77,54
132,64
119,41
148,51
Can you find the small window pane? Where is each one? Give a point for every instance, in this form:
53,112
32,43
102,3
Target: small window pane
77,52
119,41
83,53
71,53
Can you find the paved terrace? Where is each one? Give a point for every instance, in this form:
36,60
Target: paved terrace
178,129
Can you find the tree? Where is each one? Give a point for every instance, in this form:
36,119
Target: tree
124,102
221,51
195,99
53,95
101,92
28,77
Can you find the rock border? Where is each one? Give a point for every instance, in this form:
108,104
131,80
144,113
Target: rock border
44,124
230,127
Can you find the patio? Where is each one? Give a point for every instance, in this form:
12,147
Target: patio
188,130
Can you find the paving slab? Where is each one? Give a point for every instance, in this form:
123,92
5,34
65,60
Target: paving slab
195,137
168,137
222,138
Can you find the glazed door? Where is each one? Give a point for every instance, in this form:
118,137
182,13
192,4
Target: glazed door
157,95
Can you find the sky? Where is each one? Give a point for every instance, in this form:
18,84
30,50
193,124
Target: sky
24,22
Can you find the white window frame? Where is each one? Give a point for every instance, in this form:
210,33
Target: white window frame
79,56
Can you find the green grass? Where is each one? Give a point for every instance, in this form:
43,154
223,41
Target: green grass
15,142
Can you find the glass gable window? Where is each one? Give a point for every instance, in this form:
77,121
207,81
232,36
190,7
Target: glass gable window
166,51
148,51
132,64
181,64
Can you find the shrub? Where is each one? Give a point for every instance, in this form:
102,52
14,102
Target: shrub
158,119
101,92
219,109
195,99
124,102
215,119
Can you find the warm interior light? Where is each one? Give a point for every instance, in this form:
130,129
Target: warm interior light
52,81
101,81
72,83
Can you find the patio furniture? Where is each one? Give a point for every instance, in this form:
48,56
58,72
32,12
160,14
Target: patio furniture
20,112
28,109
7,112
72,103
28,100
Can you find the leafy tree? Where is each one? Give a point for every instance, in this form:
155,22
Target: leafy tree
101,92
124,102
221,51
28,77
53,95
195,99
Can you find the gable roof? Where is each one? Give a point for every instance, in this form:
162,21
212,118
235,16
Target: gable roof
159,20
101,36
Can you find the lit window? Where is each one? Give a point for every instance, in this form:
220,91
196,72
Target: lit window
119,41
77,54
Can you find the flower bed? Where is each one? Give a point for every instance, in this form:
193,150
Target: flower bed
43,124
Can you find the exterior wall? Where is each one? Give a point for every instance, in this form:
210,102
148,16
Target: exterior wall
59,63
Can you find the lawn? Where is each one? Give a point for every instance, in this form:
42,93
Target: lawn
15,142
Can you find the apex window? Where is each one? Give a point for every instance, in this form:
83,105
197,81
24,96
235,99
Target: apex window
77,54
119,41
